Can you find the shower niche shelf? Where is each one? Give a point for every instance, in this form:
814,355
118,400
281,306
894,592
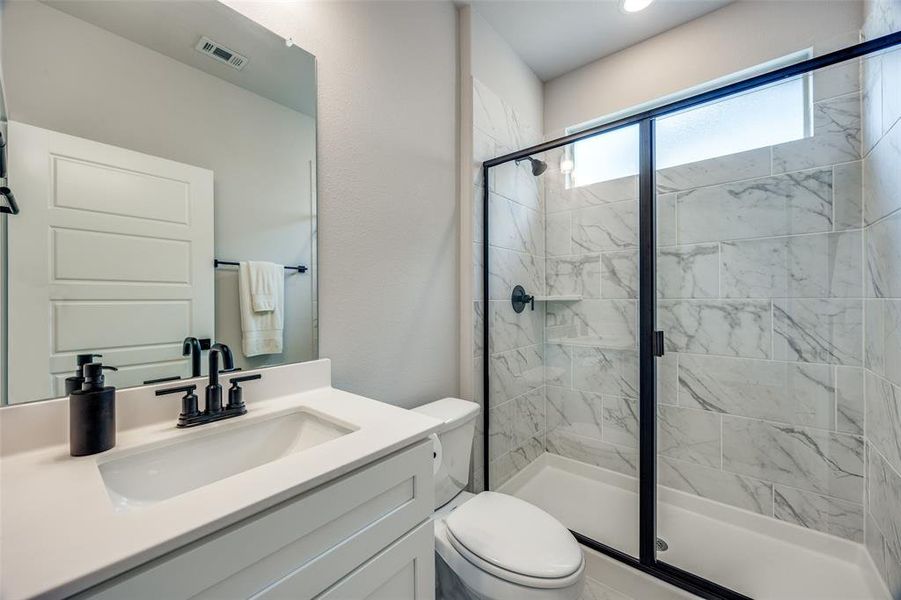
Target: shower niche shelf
571,298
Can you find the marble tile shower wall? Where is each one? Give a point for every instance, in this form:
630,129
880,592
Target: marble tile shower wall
760,271
515,353
881,79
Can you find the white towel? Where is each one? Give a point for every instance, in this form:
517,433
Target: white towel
261,292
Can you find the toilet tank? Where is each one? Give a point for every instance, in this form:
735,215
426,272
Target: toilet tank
453,447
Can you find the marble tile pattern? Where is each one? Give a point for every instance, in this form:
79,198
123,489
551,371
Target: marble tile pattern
824,462
883,256
722,169
605,323
848,195
780,295
884,492
605,371
783,392
713,483
574,276
883,418
688,271
722,327
836,137
789,204
515,372
622,459
818,330
881,172
508,330
849,400
761,260
517,252
514,226
881,184
619,274
824,265
823,513
607,227
689,435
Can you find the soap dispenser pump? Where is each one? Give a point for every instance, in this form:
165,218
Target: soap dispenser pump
76,381
92,413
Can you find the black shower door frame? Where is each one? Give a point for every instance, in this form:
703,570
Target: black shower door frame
647,561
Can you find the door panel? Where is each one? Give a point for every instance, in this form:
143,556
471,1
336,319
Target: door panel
112,253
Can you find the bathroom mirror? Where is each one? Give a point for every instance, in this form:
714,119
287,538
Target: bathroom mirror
152,146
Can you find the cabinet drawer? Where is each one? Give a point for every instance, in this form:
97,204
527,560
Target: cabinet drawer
404,570
316,538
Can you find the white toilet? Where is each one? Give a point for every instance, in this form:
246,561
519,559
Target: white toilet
493,546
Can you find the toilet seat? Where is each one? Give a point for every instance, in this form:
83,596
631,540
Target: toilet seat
515,541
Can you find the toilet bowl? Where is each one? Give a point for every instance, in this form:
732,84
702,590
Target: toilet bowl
493,546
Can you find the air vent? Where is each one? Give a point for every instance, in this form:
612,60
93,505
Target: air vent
221,53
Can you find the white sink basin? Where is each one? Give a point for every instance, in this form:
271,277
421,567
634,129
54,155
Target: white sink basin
205,457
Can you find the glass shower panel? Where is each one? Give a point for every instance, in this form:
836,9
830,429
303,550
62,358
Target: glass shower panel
762,296
581,463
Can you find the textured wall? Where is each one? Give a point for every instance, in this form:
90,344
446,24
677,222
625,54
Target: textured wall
745,34
882,281
387,193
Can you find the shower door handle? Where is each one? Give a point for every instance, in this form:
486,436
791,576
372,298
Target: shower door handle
658,344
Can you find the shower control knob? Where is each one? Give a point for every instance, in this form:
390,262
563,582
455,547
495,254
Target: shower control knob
520,298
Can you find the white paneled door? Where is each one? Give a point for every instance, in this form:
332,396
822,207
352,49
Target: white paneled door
112,252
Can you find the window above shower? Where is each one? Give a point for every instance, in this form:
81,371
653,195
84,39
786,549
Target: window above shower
764,117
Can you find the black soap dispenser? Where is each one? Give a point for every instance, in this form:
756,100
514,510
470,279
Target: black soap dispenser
92,413
75,382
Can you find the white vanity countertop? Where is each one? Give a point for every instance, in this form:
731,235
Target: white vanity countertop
60,532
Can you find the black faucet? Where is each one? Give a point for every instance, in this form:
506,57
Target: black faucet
213,389
191,346
213,411
195,348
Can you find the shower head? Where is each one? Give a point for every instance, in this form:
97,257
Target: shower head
538,166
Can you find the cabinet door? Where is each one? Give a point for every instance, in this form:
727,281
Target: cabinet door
405,570
312,541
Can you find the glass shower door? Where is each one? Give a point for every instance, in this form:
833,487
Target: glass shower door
760,294
583,411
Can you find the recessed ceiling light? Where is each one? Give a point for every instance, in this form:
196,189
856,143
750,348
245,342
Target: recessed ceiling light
632,6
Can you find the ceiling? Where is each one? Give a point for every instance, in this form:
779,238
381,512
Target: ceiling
281,74
554,37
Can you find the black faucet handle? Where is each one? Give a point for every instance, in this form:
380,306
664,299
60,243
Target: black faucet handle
184,388
236,394
188,402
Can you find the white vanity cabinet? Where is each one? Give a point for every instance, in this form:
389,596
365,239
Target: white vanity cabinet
364,535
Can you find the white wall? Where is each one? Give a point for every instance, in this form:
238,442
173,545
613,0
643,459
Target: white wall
387,190
496,64
99,86
738,36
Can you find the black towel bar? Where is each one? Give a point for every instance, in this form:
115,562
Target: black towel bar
217,263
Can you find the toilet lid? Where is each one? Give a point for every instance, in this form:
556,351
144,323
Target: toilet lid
515,536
